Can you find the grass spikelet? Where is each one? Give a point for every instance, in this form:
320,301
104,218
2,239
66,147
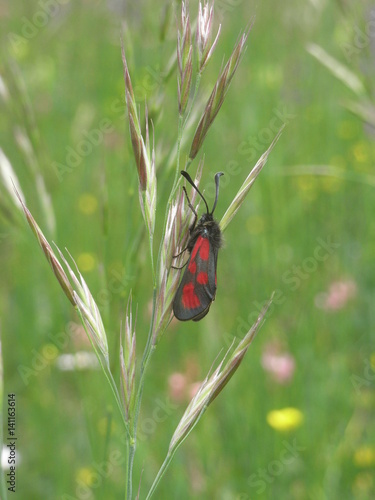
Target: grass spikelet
246,186
127,361
218,94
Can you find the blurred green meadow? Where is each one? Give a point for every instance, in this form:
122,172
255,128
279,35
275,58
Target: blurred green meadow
297,419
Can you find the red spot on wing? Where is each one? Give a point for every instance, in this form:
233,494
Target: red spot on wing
204,251
189,299
192,266
202,278
197,246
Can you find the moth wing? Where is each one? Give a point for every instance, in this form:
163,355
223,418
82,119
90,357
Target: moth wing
198,284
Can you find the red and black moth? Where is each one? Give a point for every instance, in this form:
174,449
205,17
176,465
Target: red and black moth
197,289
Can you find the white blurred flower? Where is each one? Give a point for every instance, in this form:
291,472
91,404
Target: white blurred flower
81,360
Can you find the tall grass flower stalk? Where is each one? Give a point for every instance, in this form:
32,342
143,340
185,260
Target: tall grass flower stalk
194,51
208,391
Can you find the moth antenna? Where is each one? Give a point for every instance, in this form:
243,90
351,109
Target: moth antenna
217,179
190,181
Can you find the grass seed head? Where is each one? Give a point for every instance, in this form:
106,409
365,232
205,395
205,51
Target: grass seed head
204,30
184,58
175,240
88,310
217,96
49,253
247,184
134,125
214,384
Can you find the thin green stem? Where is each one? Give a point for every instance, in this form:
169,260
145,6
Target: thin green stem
146,356
160,474
108,375
170,455
127,469
145,360
106,447
133,430
112,383
130,461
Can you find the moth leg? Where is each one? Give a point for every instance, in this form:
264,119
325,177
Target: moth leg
192,209
175,267
180,253
175,257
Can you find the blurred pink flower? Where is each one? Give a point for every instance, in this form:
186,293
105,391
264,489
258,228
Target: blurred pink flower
338,295
78,335
181,385
280,365
177,384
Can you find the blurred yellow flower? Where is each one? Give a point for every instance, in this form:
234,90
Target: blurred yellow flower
85,475
285,419
86,262
360,152
364,456
87,203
